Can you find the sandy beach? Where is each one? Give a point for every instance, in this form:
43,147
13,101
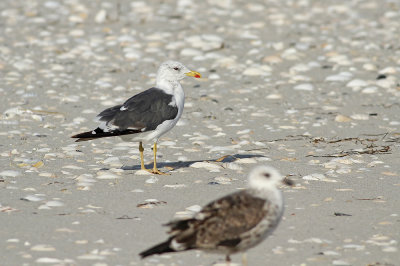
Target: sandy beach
309,87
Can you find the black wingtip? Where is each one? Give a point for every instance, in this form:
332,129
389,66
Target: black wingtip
93,134
158,249
99,133
83,136
79,139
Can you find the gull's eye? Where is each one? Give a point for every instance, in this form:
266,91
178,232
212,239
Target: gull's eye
176,68
267,175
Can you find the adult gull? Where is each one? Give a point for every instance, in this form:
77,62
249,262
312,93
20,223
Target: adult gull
148,115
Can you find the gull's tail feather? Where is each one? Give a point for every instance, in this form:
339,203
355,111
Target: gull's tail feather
158,249
99,133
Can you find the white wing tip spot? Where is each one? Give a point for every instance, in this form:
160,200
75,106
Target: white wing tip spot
176,246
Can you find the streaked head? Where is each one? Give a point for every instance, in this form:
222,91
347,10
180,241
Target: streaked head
175,71
264,177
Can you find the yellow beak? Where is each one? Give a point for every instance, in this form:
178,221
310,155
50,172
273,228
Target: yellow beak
193,74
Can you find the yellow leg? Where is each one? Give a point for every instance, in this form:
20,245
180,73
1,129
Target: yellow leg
244,259
155,169
141,156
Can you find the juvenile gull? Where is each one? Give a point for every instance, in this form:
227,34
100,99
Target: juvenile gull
148,115
233,223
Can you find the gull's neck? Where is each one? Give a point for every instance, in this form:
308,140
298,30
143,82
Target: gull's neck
271,193
169,86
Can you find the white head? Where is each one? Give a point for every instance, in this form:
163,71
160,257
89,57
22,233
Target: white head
265,177
174,71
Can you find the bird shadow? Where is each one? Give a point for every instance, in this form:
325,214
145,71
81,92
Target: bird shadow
185,164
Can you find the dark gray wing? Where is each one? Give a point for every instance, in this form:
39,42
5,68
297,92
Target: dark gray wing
220,223
144,111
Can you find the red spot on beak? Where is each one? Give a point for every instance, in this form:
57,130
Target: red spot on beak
197,76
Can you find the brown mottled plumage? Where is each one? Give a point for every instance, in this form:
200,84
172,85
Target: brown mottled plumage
243,212
232,223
